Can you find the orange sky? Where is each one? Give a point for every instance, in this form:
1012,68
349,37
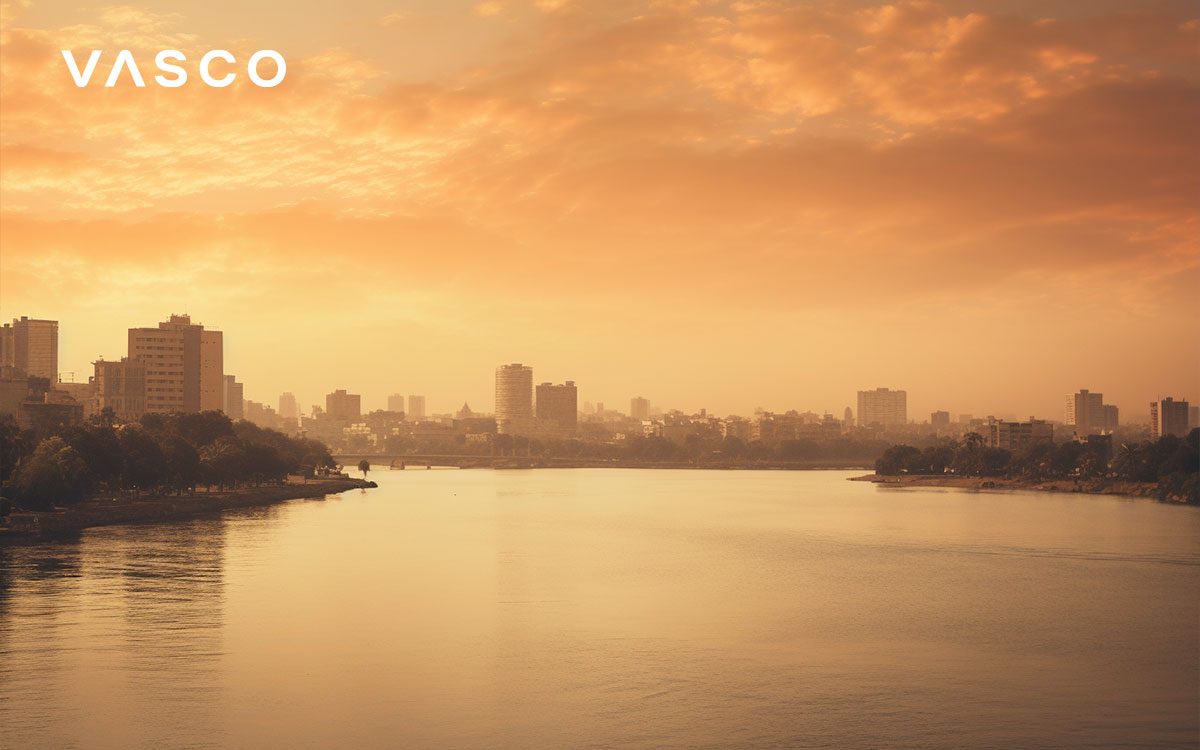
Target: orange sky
719,205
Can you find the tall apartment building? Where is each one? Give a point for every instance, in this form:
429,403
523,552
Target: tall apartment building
416,408
558,405
1169,417
1086,413
395,402
883,408
343,406
184,365
514,399
31,346
233,402
639,408
289,407
120,386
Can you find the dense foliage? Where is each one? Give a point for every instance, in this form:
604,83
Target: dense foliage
651,449
1170,461
162,453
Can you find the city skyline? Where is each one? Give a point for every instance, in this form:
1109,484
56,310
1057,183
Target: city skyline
882,405
957,199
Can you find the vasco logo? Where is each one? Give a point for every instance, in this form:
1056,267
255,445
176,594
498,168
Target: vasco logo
178,76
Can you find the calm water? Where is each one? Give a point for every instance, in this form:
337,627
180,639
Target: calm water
608,608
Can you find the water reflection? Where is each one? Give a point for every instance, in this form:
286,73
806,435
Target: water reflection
612,609
114,639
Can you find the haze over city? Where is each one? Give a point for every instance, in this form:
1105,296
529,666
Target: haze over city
736,206
546,374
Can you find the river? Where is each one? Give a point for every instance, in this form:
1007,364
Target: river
614,608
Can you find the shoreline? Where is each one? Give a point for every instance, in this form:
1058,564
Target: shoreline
419,462
26,527
1087,487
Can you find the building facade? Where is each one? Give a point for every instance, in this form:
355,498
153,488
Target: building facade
184,365
639,408
558,406
396,403
514,399
1014,435
31,346
1169,417
343,406
882,408
289,407
120,386
416,408
233,402
1089,415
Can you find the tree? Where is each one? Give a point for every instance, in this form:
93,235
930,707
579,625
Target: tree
100,448
364,466
897,460
144,466
14,445
223,462
182,463
53,474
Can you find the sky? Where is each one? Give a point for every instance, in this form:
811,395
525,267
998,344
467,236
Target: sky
720,205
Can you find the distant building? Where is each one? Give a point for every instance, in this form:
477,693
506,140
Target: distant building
639,408
233,401
1088,413
940,419
260,414
49,412
289,407
1193,417
343,406
558,405
396,403
31,346
514,398
882,408
1013,435
416,408
847,420
184,365
14,388
120,386
1169,417
1112,418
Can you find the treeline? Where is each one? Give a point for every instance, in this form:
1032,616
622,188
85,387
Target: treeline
648,448
162,453
1170,461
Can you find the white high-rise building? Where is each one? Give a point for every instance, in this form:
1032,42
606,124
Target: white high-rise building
882,408
514,399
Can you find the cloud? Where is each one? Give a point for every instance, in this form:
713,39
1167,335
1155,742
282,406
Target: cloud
757,155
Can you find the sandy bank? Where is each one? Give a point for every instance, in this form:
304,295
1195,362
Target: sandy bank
1091,486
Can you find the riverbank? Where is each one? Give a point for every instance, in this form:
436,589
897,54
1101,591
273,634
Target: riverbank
1091,486
28,526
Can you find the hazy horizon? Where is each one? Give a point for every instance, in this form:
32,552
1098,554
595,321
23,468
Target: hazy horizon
725,206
